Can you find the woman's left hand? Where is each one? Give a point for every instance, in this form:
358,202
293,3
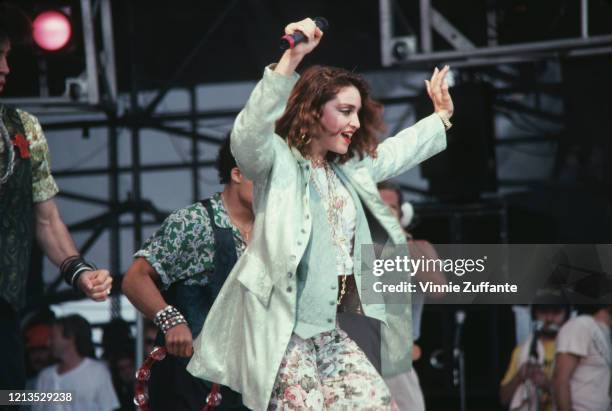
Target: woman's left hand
437,88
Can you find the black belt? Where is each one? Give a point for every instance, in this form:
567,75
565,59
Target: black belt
350,302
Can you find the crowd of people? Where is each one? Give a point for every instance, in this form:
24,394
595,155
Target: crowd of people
60,355
564,364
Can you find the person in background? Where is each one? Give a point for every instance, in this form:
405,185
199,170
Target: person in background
123,373
406,388
116,336
581,377
118,346
150,334
77,371
527,383
177,274
38,354
28,212
38,350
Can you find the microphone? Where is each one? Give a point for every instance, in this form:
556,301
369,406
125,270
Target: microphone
459,320
457,355
538,327
289,41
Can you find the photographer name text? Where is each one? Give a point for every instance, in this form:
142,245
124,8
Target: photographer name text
430,287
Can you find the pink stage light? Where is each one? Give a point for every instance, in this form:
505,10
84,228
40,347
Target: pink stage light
52,30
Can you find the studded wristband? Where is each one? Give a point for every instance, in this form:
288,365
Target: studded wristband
167,318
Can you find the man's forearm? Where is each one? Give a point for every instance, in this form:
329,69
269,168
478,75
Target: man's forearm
563,397
57,244
52,234
565,365
140,288
506,392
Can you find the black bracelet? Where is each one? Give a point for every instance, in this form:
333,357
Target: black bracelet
72,268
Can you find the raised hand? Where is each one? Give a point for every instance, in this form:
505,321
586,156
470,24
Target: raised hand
309,29
292,57
437,89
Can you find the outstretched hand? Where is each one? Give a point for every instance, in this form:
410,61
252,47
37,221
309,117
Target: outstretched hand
437,88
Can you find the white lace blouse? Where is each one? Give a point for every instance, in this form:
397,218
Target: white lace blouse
342,229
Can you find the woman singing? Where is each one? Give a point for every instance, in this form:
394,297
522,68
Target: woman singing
310,145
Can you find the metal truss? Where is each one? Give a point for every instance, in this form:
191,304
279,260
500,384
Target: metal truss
101,96
402,51
99,87
98,94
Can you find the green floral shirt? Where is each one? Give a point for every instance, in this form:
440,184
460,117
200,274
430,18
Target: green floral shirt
43,184
183,248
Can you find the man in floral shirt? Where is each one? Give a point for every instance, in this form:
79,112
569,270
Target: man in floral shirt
27,212
183,266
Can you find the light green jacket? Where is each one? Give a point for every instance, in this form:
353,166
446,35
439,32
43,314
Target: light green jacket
249,326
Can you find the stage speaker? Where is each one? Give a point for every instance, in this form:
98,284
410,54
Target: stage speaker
467,167
487,341
584,155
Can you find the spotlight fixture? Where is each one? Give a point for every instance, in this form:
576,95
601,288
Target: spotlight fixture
51,30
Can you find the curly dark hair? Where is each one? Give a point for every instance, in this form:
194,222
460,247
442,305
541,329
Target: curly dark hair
316,86
15,25
225,161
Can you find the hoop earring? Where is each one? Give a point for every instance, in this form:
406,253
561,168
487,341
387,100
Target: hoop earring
305,143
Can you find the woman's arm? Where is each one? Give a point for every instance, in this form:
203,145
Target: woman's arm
416,144
251,142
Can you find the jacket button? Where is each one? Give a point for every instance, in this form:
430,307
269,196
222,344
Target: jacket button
307,167
332,303
333,287
289,274
293,258
307,216
299,243
289,289
303,231
330,320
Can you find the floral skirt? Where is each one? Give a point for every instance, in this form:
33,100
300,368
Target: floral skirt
328,372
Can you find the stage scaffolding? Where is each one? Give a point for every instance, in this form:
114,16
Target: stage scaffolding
102,97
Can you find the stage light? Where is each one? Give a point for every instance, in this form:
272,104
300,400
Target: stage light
51,30
401,48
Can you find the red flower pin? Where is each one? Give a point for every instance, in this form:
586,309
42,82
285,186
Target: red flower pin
23,145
